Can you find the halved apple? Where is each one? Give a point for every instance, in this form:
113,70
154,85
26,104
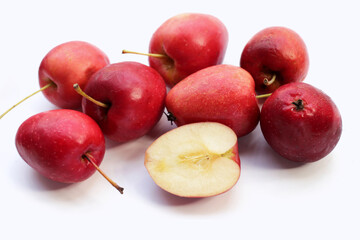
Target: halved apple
195,160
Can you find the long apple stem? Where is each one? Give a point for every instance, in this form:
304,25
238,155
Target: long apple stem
82,93
41,89
263,95
268,82
89,158
145,54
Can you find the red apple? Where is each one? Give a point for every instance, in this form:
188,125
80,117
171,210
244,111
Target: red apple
67,64
221,93
135,95
189,42
275,56
300,122
195,160
55,143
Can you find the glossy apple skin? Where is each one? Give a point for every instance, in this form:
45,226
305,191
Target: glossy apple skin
67,64
301,135
136,95
54,142
221,93
275,50
191,41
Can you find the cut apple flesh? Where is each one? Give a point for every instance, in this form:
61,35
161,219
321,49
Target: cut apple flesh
195,160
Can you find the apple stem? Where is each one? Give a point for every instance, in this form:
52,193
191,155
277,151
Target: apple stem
268,82
170,117
82,93
145,54
263,95
41,89
88,157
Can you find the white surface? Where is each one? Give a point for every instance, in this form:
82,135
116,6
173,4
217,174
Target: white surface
274,198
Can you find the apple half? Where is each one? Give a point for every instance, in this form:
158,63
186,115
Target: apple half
195,160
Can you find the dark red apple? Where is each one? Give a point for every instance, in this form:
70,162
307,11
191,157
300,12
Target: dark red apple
221,93
135,96
189,42
67,64
275,56
55,143
300,122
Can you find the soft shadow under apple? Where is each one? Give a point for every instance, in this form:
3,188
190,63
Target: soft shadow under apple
28,178
159,129
163,126
40,183
256,152
189,206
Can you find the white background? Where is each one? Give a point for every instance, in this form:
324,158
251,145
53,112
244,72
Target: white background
274,198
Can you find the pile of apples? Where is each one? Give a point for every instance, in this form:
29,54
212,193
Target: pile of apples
213,104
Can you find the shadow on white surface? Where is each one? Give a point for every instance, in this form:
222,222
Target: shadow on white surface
160,196
26,177
162,127
254,147
258,158
159,129
42,183
23,176
146,187
191,206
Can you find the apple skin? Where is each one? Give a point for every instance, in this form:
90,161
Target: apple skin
221,93
67,64
136,95
54,142
191,42
275,50
301,135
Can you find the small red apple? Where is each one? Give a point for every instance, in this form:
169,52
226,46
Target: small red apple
221,93
300,122
275,56
56,142
67,64
134,94
195,160
188,42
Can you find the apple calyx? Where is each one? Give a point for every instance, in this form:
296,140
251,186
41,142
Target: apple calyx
82,93
299,104
170,117
268,82
51,83
88,157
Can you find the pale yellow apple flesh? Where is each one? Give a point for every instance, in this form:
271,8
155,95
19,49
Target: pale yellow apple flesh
195,160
